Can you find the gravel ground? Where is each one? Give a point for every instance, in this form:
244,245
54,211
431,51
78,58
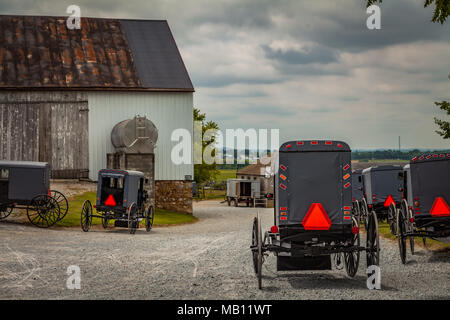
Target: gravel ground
206,260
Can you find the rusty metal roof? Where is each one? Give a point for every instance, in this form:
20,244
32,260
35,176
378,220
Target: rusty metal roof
40,52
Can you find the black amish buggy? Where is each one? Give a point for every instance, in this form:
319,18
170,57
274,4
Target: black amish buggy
425,210
120,197
382,192
26,185
313,217
357,190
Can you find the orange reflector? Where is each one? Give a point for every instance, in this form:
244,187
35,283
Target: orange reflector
283,213
346,212
346,176
282,176
316,218
110,201
440,207
388,201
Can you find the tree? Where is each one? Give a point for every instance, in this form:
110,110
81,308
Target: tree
443,125
205,172
440,14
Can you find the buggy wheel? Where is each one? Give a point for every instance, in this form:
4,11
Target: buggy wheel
392,218
364,213
401,234
86,216
5,211
424,241
149,218
260,258
228,201
62,202
372,241
43,211
235,202
132,218
255,244
409,225
351,259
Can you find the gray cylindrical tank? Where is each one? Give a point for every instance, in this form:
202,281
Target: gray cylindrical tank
137,135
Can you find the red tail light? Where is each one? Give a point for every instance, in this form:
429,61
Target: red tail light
274,229
355,230
110,201
440,207
411,220
316,218
388,201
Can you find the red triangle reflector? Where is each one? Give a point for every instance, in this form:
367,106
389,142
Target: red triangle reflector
110,201
388,201
316,218
440,208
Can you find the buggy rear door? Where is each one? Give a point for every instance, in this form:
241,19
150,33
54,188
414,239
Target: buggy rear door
314,177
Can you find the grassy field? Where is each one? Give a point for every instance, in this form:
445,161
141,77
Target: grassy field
226,174
162,217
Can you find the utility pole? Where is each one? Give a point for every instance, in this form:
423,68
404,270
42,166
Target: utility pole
399,145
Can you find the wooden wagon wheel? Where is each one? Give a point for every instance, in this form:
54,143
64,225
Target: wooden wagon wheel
149,218
401,234
43,211
351,259
372,241
5,211
86,216
409,227
62,202
365,213
260,257
392,218
132,218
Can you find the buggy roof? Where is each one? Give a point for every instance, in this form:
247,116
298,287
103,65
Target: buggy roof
314,146
23,164
122,172
382,168
431,157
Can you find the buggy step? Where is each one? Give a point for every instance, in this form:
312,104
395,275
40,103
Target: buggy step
305,263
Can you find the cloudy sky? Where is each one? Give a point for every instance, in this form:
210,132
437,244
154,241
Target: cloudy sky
310,68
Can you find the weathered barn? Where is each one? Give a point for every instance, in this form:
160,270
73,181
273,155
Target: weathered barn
62,91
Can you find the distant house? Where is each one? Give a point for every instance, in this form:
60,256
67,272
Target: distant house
62,91
261,172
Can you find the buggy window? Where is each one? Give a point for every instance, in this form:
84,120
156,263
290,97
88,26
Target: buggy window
4,174
112,186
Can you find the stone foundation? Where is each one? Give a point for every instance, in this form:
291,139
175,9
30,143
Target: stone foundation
174,195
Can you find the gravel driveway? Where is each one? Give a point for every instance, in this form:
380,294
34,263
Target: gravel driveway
206,260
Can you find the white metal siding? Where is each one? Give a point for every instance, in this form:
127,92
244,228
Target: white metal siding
167,110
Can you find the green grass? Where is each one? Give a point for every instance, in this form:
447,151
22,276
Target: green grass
162,217
225,174
385,232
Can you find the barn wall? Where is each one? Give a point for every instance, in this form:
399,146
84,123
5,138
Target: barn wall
167,110
48,126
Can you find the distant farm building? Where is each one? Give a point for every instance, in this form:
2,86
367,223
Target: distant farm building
62,91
